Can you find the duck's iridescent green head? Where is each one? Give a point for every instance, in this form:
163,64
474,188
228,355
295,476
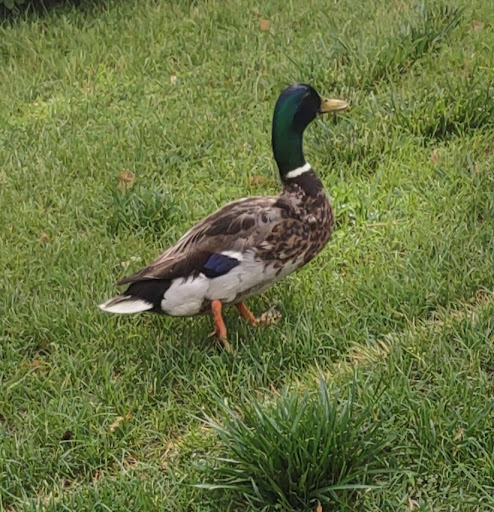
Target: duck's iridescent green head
296,107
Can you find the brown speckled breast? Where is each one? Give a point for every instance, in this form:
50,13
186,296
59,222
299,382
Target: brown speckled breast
306,227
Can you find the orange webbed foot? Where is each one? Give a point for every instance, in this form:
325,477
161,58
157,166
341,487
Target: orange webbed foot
270,316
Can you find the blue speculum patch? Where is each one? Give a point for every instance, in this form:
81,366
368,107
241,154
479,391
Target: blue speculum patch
218,265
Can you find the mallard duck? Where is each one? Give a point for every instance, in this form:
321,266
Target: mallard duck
249,244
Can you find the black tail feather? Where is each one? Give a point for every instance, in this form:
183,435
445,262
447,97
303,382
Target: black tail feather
150,290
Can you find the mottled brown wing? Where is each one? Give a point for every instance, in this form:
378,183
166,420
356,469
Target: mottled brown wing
237,226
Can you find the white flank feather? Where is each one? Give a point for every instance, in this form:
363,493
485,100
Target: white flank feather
184,297
125,304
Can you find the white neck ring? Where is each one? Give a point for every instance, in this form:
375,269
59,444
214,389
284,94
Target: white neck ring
298,171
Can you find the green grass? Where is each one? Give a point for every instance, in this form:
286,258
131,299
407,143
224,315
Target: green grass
99,412
299,451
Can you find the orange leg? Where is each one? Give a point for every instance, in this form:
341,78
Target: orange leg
270,316
245,313
219,324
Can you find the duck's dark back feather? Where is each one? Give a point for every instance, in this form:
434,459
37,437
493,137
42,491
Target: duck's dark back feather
178,267
235,227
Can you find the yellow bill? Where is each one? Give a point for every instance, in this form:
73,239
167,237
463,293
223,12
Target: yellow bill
331,105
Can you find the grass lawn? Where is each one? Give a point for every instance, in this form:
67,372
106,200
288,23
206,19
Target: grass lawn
105,413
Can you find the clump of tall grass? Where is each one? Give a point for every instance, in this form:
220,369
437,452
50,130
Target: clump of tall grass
301,449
